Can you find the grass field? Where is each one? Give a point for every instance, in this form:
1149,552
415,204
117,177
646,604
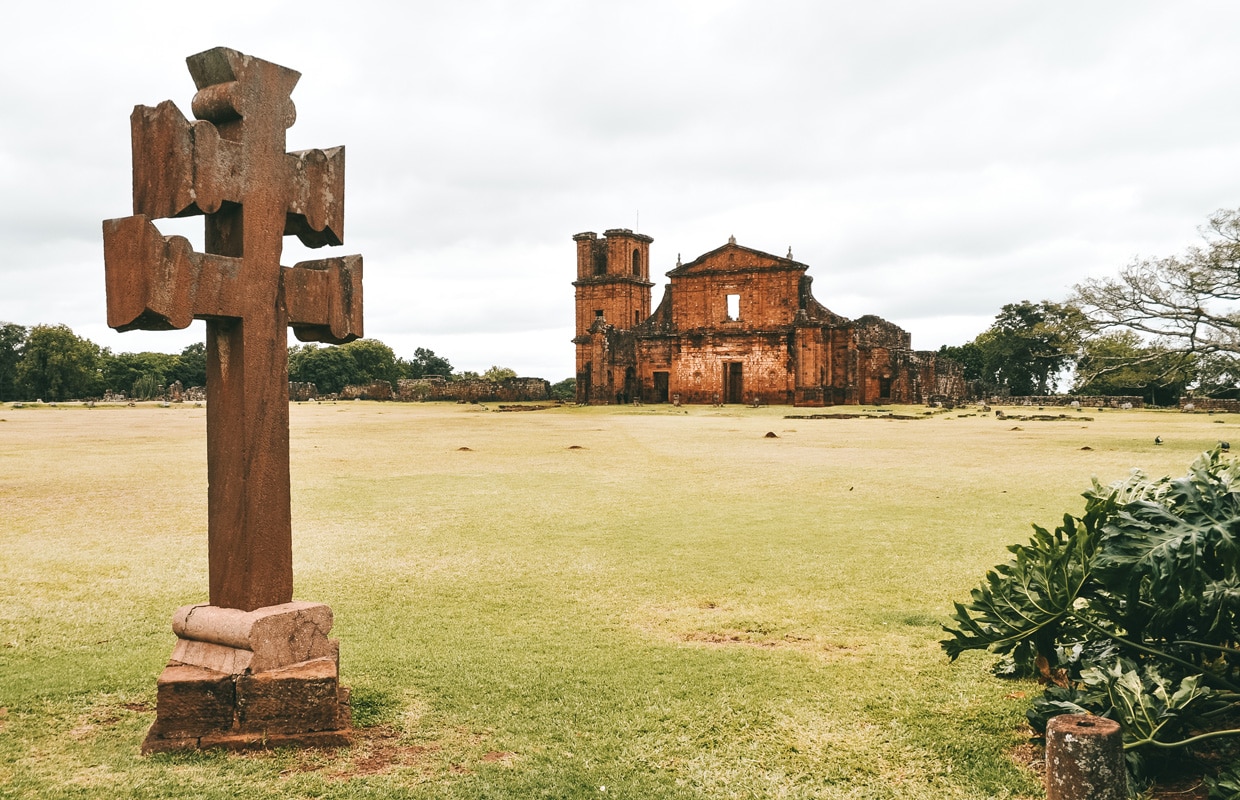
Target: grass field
638,602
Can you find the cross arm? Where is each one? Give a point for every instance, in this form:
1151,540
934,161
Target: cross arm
324,299
316,198
180,168
159,283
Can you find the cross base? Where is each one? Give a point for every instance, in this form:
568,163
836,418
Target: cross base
252,690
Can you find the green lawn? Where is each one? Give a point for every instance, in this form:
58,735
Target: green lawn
641,602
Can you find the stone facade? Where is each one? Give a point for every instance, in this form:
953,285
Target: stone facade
735,325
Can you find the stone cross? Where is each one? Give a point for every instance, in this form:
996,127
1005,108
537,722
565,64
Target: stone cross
231,166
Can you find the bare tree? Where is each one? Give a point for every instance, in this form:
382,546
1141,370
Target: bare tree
1187,305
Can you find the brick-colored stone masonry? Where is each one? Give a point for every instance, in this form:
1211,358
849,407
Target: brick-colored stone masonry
736,325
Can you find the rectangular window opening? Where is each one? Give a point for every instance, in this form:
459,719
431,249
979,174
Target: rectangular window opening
734,306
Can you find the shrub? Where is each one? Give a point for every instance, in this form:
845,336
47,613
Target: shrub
1129,611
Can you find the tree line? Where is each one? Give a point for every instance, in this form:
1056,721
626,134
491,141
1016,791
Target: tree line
51,362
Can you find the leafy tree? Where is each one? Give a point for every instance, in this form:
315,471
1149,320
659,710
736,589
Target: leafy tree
564,390
296,358
1026,347
466,375
58,365
1128,611
330,369
12,339
425,363
969,356
497,374
375,360
1189,304
191,366
121,372
1120,363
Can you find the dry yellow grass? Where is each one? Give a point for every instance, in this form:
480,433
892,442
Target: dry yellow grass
663,601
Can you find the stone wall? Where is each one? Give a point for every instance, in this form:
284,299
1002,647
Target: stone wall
378,390
510,390
1085,401
301,392
1209,404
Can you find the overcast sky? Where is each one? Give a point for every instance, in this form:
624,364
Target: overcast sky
930,161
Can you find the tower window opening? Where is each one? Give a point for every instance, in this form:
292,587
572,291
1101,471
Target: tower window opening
734,306
637,263
598,313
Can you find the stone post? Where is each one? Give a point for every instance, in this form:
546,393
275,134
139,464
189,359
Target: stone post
1085,759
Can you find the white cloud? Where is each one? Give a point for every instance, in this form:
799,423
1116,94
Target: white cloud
930,162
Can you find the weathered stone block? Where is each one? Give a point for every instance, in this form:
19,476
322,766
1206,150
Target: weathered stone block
297,699
192,701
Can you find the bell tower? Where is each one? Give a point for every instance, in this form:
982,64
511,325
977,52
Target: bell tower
613,277
613,294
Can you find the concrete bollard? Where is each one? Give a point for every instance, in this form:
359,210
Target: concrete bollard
1085,759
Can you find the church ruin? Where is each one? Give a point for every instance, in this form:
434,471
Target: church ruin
735,325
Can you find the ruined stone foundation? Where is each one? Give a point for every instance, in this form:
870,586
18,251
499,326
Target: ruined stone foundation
251,679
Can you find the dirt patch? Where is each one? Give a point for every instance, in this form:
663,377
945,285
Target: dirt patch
104,716
855,416
706,637
1044,417
375,751
1031,756
713,623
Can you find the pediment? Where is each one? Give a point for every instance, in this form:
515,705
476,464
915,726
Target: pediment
733,258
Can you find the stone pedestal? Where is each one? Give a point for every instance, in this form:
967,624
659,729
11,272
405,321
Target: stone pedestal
1085,759
251,679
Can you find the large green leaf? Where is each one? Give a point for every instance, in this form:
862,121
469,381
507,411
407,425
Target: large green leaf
1024,601
1174,547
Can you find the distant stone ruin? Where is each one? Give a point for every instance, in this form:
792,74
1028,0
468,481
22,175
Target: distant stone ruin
435,388
376,390
509,390
1079,400
1209,404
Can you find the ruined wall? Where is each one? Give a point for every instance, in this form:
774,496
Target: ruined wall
300,392
941,378
510,390
378,390
1085,401
1209,404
